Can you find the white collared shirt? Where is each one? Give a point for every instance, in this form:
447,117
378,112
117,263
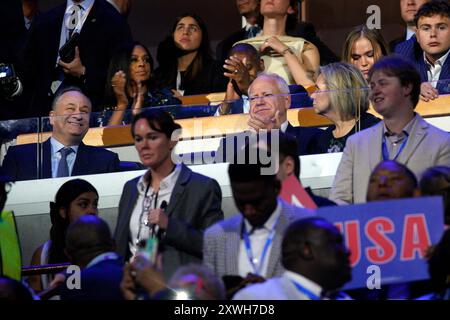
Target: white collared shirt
137,218
307,284
56,146
102,257
409,33
257,240
434,70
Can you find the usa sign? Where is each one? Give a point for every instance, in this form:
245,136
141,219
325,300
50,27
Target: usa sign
390,234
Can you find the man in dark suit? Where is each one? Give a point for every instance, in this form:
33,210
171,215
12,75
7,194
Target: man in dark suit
408,9
269,101
429,49
64,154
91,247
101,30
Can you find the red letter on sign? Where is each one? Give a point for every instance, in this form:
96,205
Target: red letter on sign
416,237
353,241
384,249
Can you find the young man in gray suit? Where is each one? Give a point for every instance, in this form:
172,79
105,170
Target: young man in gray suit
403,135
248,244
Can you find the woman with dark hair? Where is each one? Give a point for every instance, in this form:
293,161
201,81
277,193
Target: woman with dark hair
185,62
363,47
74,199
130,85
170,201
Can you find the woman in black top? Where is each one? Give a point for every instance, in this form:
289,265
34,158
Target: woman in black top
343,98
185,62
130,85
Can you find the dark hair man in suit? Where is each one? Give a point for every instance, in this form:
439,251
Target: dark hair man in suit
64,154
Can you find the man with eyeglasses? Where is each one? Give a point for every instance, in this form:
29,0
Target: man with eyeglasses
269,101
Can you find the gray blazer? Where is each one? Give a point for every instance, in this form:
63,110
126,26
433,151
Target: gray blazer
194,205
427,146
222,242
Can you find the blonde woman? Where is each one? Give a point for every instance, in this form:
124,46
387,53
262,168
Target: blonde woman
342,96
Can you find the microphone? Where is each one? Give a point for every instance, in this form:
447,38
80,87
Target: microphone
153,227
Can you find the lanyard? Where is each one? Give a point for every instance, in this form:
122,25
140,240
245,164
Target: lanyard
248,248
305,291
385,152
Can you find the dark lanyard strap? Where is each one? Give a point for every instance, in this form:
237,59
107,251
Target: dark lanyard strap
248,248
305,291
385,151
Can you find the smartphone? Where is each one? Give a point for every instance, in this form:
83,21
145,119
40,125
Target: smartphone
67,51
148,253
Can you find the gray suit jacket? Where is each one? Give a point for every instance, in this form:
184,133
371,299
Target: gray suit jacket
222,242
427,146
194,205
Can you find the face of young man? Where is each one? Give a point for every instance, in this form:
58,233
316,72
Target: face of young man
387,94
433,35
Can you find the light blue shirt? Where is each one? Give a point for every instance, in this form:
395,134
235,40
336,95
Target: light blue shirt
56,156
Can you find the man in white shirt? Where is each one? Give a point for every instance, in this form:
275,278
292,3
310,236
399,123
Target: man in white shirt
430,47
433,36
248,244
316,261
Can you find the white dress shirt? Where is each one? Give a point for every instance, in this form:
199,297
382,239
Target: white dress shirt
56,146
138,218
258,240
434,70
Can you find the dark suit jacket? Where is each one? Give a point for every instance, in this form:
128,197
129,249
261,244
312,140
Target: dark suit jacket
411,50
303,30
103,31
20,161
306,138
195,204
99,282
393,44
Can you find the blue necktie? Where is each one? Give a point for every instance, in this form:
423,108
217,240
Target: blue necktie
63,167
253,31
